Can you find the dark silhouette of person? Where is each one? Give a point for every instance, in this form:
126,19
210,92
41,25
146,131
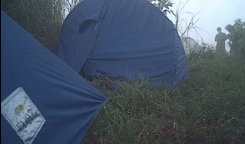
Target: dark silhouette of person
220,38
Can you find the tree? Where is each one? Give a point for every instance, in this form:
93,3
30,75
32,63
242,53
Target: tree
237,37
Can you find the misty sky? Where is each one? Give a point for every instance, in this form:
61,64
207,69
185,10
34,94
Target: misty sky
213,14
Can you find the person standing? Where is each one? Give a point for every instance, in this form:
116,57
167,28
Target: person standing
220,38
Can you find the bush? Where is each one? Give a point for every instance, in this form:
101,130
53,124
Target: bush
237,37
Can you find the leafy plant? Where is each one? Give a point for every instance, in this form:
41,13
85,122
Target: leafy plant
163,5
237,37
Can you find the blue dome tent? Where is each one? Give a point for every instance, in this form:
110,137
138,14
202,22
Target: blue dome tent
126,39
43,100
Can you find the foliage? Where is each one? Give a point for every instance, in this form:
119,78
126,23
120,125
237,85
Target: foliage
208,108
42,18
163,5
237,37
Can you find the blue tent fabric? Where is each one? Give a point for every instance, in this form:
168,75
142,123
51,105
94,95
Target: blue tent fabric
68,103
127,39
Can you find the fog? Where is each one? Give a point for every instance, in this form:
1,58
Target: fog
211,14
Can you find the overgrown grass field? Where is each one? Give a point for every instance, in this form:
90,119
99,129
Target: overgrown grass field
208,108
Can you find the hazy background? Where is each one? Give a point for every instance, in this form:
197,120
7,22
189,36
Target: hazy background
212,14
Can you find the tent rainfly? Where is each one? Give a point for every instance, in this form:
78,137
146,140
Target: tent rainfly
43,100
126,39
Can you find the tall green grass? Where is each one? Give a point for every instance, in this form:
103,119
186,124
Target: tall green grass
208,108
42,18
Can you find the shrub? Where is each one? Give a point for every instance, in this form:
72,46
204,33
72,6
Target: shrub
237,37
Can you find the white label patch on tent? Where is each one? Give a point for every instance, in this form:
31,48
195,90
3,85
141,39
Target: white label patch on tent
23,115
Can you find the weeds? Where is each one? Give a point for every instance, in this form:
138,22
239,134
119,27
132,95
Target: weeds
42,18
208,108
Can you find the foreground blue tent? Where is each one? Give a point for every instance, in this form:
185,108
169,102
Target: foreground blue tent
43,100
127,39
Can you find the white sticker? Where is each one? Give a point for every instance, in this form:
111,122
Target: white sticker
23,115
